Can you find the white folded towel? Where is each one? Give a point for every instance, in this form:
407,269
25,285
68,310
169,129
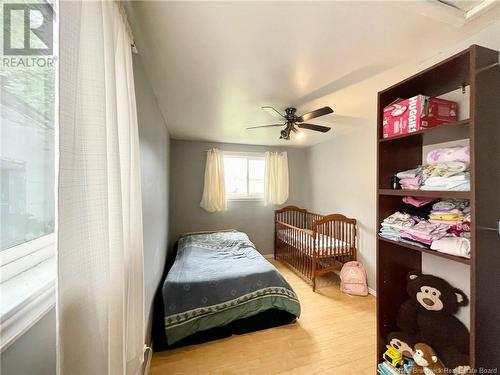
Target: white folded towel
435,181
449,186
452,245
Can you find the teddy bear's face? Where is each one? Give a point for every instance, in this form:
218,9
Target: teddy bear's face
435,294
424,359
430,298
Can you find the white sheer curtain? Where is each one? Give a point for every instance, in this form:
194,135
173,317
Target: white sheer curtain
214,192
276,179
100,304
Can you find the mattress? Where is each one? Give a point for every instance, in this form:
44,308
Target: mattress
305,241
218,278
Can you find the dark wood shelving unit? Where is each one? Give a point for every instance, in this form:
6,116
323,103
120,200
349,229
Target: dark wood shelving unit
476,67
426,193
426,251
437,129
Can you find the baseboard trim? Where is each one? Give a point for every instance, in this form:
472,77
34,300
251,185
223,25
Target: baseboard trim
268,256
372,292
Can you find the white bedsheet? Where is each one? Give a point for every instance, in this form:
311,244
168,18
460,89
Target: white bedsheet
323,242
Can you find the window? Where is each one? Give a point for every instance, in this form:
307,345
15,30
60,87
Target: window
244,175
27,174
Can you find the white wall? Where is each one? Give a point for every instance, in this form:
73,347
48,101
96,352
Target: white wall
34,353
155,156
342,180
187,173
343,170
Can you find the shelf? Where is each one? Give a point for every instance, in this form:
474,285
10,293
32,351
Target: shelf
438,129
478,67
426,251
426,193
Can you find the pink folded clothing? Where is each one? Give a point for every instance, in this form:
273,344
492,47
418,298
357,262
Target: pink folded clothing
417,201
458,246
449,154
425,230
461,229
445,222
410,181
410,187
412,237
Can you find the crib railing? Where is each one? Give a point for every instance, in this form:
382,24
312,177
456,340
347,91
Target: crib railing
311,218
336,237
297,217
294,246
292,215
313,244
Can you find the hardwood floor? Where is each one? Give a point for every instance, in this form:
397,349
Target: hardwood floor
336,334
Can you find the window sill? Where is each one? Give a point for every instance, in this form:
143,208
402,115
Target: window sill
249,199
26,298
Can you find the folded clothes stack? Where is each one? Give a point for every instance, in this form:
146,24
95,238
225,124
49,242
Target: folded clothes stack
452,245
394,225
456,214
424,233
447,169
410,179
443,226
450,217
446,176
450,211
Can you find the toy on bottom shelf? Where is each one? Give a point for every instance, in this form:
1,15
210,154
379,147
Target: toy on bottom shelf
393,356
394,362
429,317
426,361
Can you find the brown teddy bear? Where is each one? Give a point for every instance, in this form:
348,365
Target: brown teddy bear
426,361
429,317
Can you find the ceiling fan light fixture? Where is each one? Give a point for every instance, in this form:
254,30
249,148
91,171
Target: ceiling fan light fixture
292,121
284,134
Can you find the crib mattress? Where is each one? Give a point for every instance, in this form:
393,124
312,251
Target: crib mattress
323,242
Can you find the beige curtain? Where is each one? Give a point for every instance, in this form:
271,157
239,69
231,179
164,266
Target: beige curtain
100,299
214,193
276,178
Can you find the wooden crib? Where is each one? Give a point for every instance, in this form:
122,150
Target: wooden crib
311,244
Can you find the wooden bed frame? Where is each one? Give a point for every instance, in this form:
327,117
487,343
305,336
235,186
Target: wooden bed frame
311,244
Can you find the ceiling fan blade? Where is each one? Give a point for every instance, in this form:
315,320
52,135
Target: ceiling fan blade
317,128
313,114
265,126
272,111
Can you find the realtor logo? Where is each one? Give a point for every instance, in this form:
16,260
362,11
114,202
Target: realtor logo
28,29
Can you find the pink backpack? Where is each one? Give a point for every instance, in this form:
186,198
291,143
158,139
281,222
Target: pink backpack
353,279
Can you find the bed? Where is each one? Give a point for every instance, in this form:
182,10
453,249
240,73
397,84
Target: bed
220,285
312,244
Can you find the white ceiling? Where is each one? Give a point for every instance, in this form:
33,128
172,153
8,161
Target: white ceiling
214,64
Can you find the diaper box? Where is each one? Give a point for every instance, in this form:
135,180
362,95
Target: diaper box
417,113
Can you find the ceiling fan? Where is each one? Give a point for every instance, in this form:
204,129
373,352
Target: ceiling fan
292,121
